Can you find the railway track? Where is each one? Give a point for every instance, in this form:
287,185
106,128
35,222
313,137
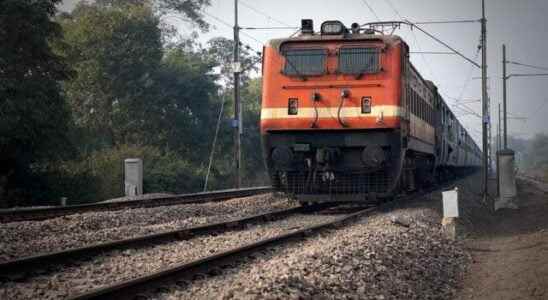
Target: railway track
130,289
52,212
32,263
186,270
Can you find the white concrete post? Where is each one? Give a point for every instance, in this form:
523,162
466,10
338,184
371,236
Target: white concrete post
133,182
508,191
450,213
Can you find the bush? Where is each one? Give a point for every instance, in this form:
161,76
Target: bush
100,175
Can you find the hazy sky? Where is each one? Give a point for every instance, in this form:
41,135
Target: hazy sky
520,24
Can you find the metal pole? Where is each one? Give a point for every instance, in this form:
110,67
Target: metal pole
485,115
499,143
504,78
236,123
499,138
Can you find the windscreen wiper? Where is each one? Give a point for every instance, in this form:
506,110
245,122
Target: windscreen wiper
302,76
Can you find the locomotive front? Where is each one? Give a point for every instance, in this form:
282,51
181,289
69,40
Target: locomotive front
330,118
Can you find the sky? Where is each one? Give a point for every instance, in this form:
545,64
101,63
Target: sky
521,25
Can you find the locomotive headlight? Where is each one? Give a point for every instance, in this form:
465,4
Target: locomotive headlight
332,27
293,106
366,105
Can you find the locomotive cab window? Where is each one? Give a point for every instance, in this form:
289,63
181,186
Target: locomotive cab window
304,62
359,61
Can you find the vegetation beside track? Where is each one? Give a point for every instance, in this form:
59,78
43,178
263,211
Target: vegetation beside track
112,80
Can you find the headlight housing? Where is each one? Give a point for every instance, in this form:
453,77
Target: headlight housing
366,105
333,28
293,106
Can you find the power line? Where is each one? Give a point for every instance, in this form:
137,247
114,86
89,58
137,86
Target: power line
394,8
469,77
212,153
432,52
269,28
423,57
231,26
447,22
422,53
528,75
526,65
371,9
263,13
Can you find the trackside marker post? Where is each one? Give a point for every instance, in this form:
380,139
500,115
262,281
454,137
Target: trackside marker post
450,213
133,172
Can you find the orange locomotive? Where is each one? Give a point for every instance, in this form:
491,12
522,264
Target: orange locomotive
346,117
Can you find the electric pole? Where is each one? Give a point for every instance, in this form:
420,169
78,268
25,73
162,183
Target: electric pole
484,100
504,78
236,124
499,138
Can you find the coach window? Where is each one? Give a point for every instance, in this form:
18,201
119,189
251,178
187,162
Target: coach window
305,62
414,103
423,109
359,61
423,104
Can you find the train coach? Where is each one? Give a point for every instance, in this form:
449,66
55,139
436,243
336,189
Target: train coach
345,116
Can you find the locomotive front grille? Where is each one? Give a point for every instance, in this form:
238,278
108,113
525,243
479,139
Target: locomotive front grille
343,183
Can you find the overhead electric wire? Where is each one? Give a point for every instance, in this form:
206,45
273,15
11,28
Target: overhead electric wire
432,52
232,26
468,110
263,13
468,78
371,10
528,75
212,153
269,28
447,22
426,62
526,65
394,8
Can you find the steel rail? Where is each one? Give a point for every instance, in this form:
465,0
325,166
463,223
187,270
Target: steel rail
31,263
8,215
131,288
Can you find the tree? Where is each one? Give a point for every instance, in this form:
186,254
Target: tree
115,51
188,9
186,93
220,50
254,171
34,117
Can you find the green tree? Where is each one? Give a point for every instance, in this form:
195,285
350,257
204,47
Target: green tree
188,10
220,50
34,117
254,171
186,94
115,52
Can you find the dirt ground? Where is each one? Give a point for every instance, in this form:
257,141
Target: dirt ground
510,250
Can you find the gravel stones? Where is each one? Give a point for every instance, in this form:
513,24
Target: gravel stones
398,253
26,238
372,259
122,265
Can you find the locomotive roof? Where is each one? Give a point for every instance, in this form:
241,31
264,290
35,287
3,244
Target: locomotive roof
387,39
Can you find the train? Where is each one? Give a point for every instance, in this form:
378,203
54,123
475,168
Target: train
345,116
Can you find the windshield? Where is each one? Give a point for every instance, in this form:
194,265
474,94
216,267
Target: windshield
359,60
303,62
